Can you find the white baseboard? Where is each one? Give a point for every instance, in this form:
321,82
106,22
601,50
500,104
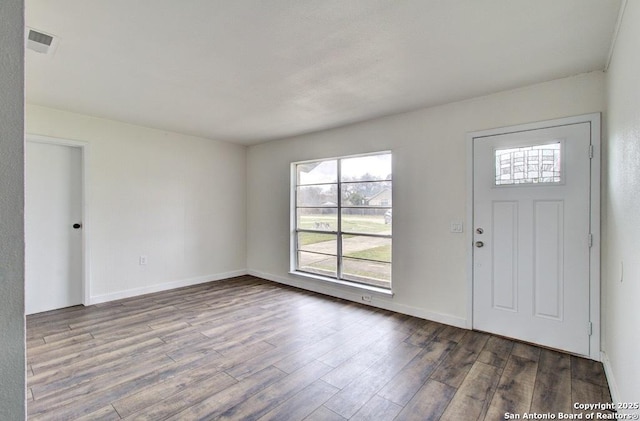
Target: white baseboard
608,371
134,292
357,297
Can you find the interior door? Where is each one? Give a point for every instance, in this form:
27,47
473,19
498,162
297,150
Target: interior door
53,204
532,236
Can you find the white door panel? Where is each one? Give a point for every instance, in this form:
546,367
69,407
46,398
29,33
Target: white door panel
531,257
53,203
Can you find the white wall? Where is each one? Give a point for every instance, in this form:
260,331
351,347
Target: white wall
179,200
621,287
12,334
430,175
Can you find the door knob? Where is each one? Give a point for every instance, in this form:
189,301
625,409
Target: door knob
479,244
77,226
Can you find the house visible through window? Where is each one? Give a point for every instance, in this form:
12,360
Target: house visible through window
343,219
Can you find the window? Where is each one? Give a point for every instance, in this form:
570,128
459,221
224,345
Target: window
528,165
343,218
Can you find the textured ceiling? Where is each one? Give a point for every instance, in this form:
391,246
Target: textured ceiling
248,71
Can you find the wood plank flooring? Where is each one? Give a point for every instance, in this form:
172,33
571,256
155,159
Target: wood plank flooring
249,349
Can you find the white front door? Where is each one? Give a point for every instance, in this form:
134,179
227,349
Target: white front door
531,212
53,204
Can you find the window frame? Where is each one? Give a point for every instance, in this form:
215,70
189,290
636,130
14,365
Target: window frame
338,232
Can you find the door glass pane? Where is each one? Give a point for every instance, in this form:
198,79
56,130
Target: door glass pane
528,165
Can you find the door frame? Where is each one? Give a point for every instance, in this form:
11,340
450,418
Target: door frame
84,156
594,215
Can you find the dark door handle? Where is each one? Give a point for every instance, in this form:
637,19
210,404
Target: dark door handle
77,226
479,244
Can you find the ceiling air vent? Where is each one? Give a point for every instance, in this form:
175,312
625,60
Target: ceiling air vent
40,42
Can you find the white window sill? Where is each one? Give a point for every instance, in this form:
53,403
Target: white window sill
356,285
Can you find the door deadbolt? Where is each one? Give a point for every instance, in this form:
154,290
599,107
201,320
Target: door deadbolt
479,230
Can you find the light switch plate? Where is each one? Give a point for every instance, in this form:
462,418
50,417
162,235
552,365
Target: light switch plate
456,227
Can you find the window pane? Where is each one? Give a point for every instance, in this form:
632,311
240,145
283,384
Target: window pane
317,263
318,243
370,248
317,172
322,219
367,220
528,165
370,273
366,168
316,196
366,194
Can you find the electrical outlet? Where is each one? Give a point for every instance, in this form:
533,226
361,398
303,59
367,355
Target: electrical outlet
143,260
366,298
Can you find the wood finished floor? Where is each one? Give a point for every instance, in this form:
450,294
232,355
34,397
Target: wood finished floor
249,349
